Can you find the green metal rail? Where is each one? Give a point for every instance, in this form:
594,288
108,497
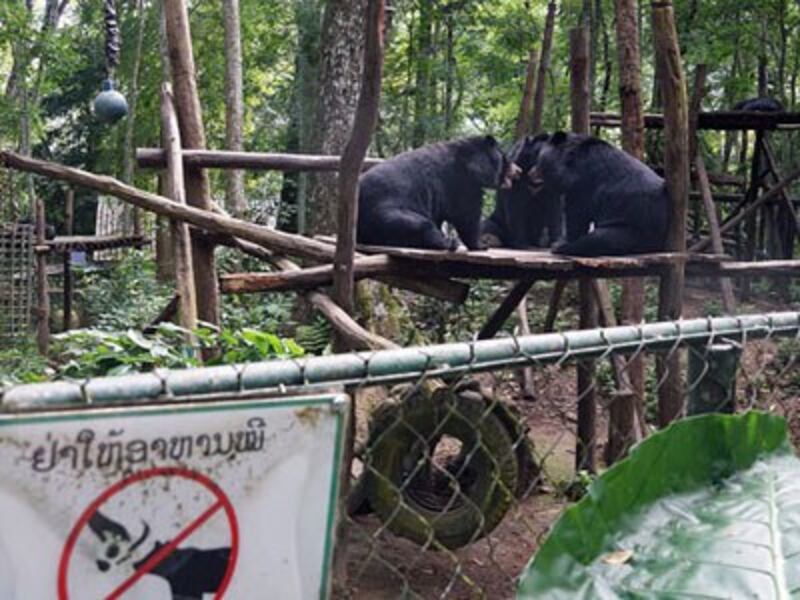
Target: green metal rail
396,366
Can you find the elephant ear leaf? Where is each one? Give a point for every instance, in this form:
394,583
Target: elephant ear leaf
706,508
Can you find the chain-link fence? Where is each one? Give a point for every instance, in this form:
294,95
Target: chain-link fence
456,478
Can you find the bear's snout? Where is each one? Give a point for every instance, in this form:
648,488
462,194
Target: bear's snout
535,180
512,172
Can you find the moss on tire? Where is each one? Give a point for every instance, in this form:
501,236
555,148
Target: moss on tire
451,504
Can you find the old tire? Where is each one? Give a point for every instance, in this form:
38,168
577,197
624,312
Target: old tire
452,504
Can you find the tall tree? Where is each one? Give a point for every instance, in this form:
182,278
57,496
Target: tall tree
234,105
342,48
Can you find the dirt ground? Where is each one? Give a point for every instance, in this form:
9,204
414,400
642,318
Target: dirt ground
382,566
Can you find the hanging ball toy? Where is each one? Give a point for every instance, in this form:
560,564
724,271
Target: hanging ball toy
110,106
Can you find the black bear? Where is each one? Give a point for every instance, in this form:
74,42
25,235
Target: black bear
404,200
762,104
521,220
613,203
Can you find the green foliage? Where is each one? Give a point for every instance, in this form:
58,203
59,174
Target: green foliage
93,353
125,295
20,362
650,527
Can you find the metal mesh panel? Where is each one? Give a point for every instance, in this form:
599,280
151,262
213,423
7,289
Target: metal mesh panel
456,477
16,280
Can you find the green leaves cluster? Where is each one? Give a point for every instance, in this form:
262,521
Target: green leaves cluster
93,353
705,508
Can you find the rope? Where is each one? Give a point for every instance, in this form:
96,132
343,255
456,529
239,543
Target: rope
112,37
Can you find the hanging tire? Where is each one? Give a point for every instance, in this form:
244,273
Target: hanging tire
450,503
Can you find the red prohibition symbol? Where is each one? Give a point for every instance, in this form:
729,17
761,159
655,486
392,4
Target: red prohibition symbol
220,502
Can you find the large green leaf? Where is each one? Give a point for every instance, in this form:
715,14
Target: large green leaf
707,508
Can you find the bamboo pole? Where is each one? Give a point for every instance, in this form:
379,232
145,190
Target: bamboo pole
676,167
181,240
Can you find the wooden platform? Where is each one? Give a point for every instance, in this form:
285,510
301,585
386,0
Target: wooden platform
88,243
504,263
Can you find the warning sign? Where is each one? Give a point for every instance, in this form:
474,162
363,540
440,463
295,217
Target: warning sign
202,501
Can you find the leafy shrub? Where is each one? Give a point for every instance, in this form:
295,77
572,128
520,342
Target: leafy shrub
93,353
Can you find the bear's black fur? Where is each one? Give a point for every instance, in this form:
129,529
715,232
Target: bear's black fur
762,104
521,220
405,200
623,198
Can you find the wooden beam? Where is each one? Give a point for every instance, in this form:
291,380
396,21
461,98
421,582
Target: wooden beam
364,123
185,288
190,118
304,279
42,292
586,442
501,314
544,66
625,407
69,224
676,166
717,121
285,243
754,206
153,158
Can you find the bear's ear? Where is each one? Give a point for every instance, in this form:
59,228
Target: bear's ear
490,141
559,137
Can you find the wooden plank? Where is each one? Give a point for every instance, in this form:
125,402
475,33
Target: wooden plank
89,243
500,316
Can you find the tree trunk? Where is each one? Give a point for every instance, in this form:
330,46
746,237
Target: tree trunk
234,105
340,77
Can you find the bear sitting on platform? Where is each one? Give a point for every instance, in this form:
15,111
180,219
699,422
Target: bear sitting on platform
613,203
519,219
405,200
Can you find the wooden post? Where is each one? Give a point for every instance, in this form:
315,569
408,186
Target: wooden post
544,65
187,104
364,122
522,128
676,166
42,291
624,408
181,240
69,223
728,298
752,216
587,401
